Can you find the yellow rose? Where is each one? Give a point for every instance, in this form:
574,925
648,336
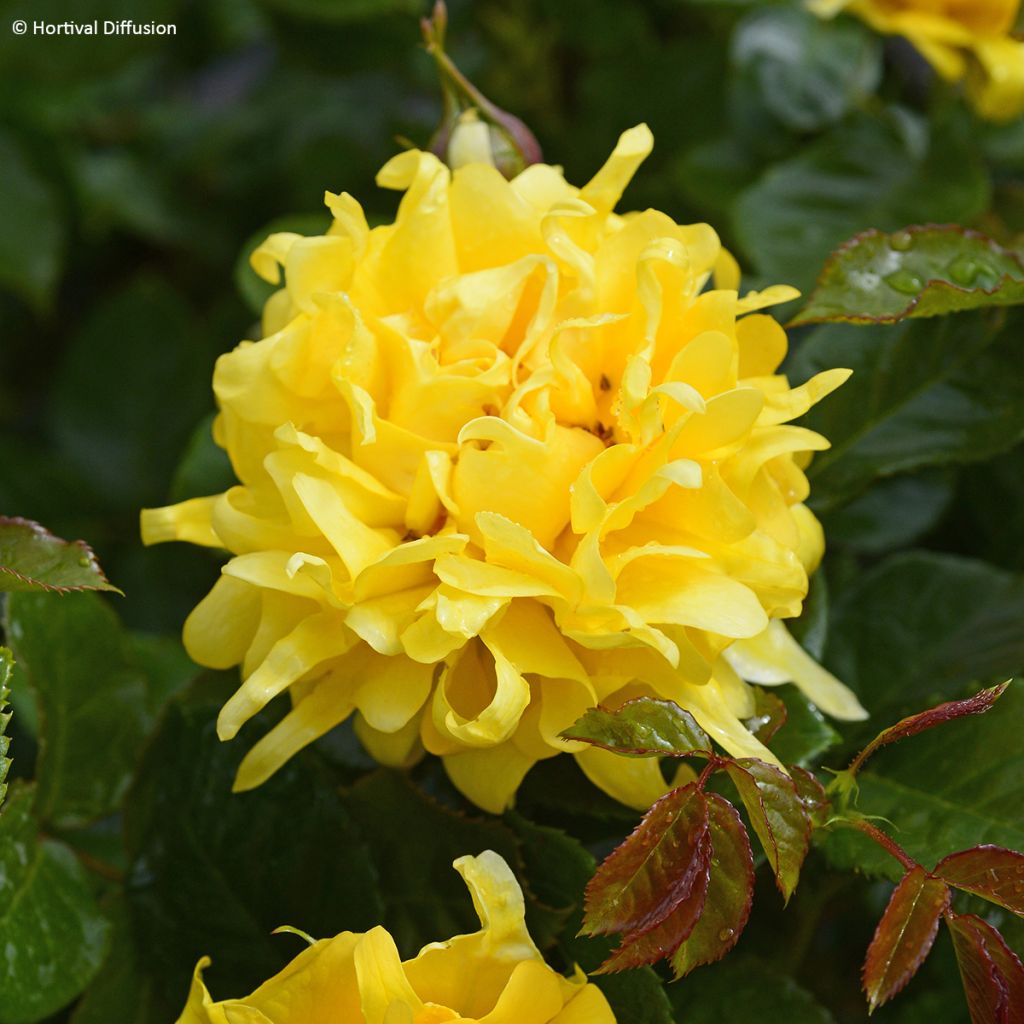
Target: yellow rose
500,461
959,38
494,976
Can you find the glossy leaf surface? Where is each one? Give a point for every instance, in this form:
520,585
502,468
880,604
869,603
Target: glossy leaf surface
644,727
904,935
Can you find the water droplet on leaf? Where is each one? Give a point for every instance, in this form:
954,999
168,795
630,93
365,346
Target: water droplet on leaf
904,281
726,934
964,270
901,241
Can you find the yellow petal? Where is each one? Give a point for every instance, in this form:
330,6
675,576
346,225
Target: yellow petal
315,640
190,521
221,627
381,978
634,781
489,776
774,652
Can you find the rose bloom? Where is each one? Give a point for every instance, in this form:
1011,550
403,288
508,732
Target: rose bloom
507,458
959,38
494,976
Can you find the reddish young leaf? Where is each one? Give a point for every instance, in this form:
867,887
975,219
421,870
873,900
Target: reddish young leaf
777,815
645,878
994,873
904,935
812,794
643,727
637,949
770,714
730,891
942,713
992,974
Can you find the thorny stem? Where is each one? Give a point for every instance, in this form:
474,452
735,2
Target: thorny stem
889,845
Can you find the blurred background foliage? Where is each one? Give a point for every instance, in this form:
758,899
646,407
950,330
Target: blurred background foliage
139,171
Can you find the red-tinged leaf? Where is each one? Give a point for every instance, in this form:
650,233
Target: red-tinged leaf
992,872
644,727
948,712
812,794
770,714
654,870
32,558
777,815
637,949
730,891
904,935
992,973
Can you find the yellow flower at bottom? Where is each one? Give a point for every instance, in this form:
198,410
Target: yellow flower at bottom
507,458
493,976
959,38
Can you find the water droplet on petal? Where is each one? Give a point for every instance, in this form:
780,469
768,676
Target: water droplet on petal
904,281
901,241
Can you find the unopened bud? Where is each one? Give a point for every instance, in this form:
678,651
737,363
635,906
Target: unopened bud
473,129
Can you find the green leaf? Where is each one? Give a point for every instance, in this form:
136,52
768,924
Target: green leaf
32,242
643,727
923,393
730,891
904,935
32,558
94,702
914,272
52,933
806,72
892,513
213,873
919,628
654,870
777,816
806,734
745,990
121,990
936,804
6,670
868,172
128,443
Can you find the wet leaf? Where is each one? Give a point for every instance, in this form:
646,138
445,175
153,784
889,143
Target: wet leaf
923,393
6,668
904,935
654,870
770,714
32,558
777,815
992,872
644,727
648,947
730,891
51,931
90,692
991,972
812,795
939,715
915,272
